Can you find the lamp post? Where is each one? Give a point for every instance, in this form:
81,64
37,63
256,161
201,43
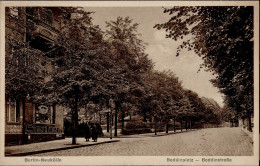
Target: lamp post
111,106
111,120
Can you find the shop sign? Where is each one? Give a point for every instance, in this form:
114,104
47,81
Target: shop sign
43,109
42,129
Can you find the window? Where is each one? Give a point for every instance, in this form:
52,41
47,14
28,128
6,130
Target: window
45,114
13,111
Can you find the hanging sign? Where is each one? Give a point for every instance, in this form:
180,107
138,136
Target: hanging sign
43,109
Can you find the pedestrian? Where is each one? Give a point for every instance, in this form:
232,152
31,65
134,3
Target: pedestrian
99,130
87,132
94,133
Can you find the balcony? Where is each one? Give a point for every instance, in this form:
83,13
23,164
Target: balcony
45,31
46,28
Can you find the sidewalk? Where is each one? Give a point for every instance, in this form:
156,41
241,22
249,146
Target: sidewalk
56,145
163,133
64,144
250,134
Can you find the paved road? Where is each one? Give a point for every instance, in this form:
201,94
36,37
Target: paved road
204,142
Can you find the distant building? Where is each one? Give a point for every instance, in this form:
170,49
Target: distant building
41,122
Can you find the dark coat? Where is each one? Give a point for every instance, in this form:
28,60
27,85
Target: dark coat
94,132
87,132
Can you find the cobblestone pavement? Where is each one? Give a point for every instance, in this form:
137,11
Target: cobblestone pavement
204,142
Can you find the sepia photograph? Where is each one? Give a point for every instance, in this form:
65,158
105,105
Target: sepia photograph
130,83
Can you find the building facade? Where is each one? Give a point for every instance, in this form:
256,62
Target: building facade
37,122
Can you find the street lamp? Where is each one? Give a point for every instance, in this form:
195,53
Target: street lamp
111,105
111,121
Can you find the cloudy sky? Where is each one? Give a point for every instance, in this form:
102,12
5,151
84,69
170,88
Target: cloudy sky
161,50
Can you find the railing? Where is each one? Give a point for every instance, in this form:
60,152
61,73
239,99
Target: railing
46,25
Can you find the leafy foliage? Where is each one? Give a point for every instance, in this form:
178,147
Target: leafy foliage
24,66
82,63
213,112
223,37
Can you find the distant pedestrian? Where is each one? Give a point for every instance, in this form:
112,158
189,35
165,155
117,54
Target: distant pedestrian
94,133
87,132
99,130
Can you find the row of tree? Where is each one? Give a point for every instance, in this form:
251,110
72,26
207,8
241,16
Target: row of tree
85,65
224,38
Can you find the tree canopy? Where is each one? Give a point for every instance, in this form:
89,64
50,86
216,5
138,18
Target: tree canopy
223,37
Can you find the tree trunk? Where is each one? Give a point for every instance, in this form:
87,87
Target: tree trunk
167,126
116,110
249,126
155,130
111,123
174,125
75,121
181,125
186,125
190,125
145,116
123,116
108,122
24,139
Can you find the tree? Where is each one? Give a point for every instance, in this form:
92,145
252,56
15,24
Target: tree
228,114
24,71
223,37
162,96
81,63
151,102
130,61
196,108
212,111
171,95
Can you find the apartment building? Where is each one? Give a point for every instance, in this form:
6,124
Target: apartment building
39,122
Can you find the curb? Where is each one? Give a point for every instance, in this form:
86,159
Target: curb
153,135
58,149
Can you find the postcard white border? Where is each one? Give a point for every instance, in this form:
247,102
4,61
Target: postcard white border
133,160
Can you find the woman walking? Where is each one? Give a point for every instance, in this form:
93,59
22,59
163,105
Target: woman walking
94,133
87,132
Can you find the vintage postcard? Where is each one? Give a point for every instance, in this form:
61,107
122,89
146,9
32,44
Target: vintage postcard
129,83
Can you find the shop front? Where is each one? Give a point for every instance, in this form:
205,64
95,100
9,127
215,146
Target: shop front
38,122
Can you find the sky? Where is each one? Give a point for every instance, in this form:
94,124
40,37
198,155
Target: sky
161,50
